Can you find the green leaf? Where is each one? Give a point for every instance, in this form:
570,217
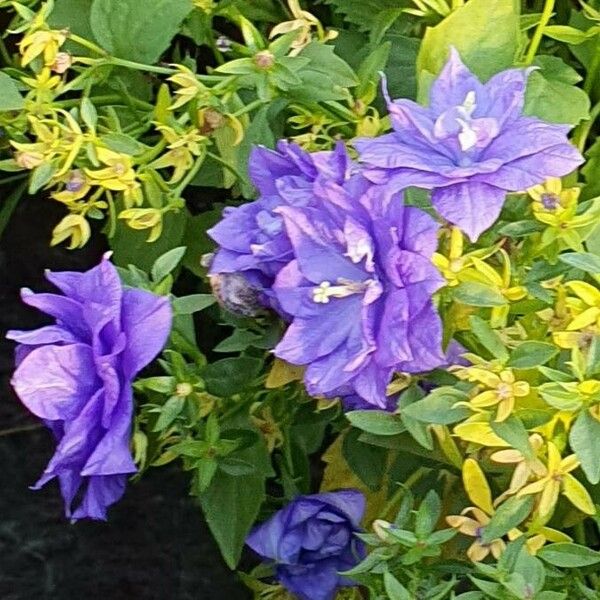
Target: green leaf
485,32
438,407
229,519
368,462
229,376
584,438
427,515
568,555
167,263
590,263
136,30
531,354
569,35
323,59
508,515
131,248
10,98
40,176
477,294
169,412
488,338
513,431
377,422
187,305
238,341
551,93
394,589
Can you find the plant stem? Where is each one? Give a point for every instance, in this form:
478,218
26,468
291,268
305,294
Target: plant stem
87,44
583,129
190,176
399,493
592,74
9,205
22,429
4,53
249,108
539,31
107,100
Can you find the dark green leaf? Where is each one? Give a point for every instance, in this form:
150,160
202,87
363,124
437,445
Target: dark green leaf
568,555
478,294
509,514
10,98
187,305
377,422
229,376
513,431
531,354
366,461
167,263
584,438
590,263
438,407
488,338
138,31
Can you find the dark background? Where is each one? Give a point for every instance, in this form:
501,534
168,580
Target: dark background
155,546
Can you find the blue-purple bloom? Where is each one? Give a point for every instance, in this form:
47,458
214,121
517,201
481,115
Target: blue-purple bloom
312,540
471,145
359,292
76,375
252,238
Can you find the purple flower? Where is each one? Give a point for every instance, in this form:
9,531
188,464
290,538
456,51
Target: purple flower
252,237
359,291
311,540
77,376
471,146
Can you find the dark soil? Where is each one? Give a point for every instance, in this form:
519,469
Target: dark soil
155,546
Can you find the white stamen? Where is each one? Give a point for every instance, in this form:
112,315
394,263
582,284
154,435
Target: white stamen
325,291
467,138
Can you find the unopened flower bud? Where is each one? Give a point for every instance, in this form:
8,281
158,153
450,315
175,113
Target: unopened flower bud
29,160
74,227
210,120
76,181
183,389
235,293
62,63
264,60
381,528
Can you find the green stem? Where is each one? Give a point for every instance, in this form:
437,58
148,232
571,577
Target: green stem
22,429
5,54
87,44
14,178
249,108
107,100
592,73
583,130
226,165
399,493
190,176
539,31
9,205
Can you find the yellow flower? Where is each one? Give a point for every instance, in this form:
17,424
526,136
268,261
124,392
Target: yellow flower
45,43
183,147
304,22
477,429
538,537
551,204
502,390
72,226
524,467
118,175
144,218
76,188
479,493
557,480
586,306
189,87
263,419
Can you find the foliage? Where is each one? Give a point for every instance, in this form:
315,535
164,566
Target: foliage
483,481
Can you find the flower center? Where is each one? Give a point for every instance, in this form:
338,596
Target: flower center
550,201
325,290
504,391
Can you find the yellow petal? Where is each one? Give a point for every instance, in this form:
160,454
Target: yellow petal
588,293
478,552
487,398
569,464
464,524
479,433
553,535
585,319
578,495
505,409
549,498
476,486
520,389
554,458
507,456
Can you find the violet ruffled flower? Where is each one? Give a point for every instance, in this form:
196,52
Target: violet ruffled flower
471,145
252,238
77,376
312,540
359,292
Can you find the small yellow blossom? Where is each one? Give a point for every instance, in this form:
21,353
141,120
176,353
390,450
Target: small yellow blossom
502,390
72,226
551,204
76,187
479,493
189,87
265,422
41,43
144,218
304,22
182,148
118,175
524,467
557,480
